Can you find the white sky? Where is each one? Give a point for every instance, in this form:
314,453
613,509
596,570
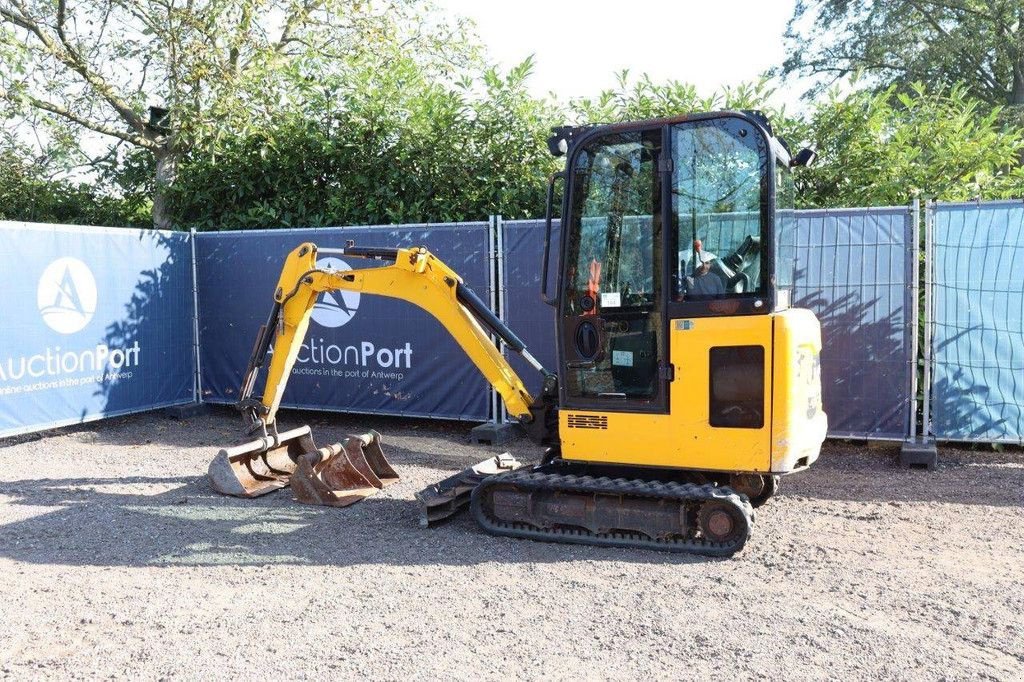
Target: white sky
579,46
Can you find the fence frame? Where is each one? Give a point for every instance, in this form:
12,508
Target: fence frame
493,254
929,315
198,397
921,324
931,283
499,228
911,316
915,297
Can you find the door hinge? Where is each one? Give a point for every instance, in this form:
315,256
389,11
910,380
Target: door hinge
667,372
665,164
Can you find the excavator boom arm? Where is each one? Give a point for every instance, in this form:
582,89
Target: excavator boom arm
415,275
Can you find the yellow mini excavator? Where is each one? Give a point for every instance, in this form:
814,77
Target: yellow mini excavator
685,383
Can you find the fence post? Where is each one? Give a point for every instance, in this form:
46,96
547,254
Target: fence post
915,292
497,431
929,317
195,319
493,294
499,226
196,407
921,451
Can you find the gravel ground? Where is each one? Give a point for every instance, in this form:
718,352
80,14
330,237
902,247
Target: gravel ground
119,561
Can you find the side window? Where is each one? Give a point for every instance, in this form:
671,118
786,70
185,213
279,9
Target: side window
785,229
718,186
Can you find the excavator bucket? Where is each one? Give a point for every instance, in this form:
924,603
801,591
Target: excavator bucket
339,475
260,466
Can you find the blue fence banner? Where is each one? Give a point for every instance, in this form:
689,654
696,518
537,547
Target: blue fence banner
362,353
102,321
524,311
977,326
852,267
96,322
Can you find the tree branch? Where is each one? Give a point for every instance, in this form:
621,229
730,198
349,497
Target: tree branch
293,20
978,66
67,55
95,126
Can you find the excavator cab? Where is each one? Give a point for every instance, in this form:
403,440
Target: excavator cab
684,349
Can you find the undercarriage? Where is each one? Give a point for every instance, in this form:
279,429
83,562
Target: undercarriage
563,502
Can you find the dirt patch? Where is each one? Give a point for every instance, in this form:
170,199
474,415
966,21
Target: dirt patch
118,560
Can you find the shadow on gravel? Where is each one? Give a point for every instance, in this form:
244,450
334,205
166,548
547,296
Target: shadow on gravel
858,474
88,522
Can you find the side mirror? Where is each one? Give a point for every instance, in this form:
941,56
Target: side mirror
805,157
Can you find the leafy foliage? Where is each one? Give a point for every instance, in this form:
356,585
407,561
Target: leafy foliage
221,67
884,148
27,193
900,42
875,148
318,112
384,143
642,98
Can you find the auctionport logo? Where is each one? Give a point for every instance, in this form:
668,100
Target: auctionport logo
66,295
335,308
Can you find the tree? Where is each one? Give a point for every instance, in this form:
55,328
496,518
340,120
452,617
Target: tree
900,42
160,76
878,149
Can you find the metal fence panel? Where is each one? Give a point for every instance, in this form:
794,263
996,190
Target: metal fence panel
977,322
365,354
524,311
853,268
96,323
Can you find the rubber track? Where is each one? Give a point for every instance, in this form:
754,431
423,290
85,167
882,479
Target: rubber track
615,486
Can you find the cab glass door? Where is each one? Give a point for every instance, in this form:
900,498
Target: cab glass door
611,309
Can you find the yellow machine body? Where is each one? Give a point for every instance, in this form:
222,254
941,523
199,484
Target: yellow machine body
794,425
685,385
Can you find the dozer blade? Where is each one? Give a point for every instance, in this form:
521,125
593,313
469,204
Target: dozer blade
340,475
445,499
260,466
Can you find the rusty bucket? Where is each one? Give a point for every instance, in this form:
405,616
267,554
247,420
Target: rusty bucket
339,475
260,466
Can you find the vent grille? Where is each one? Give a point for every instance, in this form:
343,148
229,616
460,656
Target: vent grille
588,421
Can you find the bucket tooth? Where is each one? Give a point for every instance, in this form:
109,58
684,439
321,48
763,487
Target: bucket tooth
260,466
340,475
